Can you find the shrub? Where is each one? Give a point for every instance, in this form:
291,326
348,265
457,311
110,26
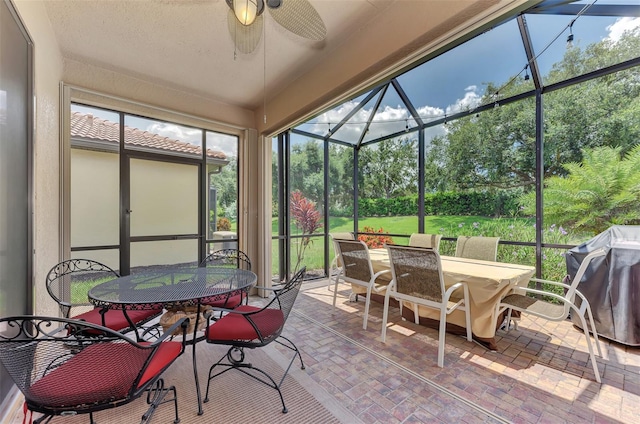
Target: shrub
374,242
223,224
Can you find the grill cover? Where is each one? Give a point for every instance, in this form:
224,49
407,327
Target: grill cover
612,283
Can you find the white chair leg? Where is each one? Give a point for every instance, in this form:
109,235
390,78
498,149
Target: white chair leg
385,316
332,268
467,313
335,292
593,329
416,315
508,319
589,346
366,306
441,335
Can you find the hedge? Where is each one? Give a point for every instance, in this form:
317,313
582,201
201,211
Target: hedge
441,203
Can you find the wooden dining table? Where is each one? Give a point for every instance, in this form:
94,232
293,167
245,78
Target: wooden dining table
488,283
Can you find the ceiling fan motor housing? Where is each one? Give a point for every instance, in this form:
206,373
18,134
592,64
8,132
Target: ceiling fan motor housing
272,4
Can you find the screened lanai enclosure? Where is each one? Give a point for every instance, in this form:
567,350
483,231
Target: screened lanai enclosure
527,130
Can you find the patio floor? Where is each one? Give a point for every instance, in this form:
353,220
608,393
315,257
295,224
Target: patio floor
539,374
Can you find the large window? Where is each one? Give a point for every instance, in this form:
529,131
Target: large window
527,131
144,192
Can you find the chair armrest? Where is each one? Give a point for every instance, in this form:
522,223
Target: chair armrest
544,293
182,322
375,277
555,283
266,288
450,290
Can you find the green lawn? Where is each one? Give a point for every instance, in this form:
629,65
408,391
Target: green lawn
398,224
513,229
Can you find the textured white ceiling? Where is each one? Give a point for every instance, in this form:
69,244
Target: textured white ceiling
185,44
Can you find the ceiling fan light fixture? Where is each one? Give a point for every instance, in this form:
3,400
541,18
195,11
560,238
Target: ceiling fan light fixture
246,11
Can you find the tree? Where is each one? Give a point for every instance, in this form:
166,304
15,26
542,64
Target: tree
306,172
601,191
226,185
495,149
389,168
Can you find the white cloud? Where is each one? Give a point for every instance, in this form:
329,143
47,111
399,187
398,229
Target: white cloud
620,26
470,100
389,119
176,132
224,143
215,141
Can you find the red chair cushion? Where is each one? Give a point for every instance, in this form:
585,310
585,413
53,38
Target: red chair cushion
167,353
232,302
115,318
101,372
236,327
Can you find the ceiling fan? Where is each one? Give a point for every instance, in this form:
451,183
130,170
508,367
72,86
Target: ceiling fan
245,20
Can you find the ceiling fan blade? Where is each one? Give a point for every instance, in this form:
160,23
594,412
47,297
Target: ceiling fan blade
301,18
245,38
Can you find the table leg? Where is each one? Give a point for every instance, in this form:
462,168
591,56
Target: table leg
195,373
195,362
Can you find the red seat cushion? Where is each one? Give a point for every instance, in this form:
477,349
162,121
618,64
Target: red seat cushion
230,303
115,318
236,327
101,372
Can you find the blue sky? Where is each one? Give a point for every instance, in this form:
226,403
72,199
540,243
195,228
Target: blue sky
457,79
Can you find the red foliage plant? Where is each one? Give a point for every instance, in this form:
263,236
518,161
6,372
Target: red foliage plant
372,241
306,218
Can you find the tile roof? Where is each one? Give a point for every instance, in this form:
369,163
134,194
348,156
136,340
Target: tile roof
90,127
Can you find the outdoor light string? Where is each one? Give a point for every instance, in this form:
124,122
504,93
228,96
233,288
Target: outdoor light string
495,95
569,26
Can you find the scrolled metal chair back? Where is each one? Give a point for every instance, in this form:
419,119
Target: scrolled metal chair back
69,282
228,258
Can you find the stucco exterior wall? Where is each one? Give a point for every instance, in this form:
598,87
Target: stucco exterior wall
95,209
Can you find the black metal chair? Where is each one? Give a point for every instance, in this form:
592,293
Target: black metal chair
68,367
252,327
228,258
68,284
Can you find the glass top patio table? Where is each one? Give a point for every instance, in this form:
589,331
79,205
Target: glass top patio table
173,286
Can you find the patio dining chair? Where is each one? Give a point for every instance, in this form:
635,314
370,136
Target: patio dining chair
482,248
417,278
336,264
69,282
425,240
228,258
358,270
250,327
66,367
518,300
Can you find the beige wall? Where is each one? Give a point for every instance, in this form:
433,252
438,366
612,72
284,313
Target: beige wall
95,198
